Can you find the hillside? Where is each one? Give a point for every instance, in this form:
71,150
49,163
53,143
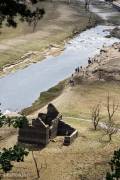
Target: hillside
88,157
96,84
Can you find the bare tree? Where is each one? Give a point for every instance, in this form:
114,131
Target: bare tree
38,170
96,116
110,130
110,126
36,165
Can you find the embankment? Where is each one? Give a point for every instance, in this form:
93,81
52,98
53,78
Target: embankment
45,97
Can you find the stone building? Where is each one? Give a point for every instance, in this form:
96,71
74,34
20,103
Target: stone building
46,127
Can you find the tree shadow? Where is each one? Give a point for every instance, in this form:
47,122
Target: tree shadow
32,147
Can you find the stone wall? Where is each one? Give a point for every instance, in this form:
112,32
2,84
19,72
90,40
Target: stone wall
69,139
46,127
39,133
64,129
33,135
69,133
54,126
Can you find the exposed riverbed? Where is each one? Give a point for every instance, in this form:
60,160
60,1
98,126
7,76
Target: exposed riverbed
18,90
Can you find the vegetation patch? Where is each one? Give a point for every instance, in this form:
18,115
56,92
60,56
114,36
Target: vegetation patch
116,32
44,98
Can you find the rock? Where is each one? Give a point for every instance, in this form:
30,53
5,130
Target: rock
116,32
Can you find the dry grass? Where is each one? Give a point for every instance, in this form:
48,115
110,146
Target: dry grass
86,158
90,153
79,100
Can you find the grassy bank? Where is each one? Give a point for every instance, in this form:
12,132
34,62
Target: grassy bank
79,100
44,98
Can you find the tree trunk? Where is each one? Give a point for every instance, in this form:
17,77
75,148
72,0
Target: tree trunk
110,137
95,127
35,162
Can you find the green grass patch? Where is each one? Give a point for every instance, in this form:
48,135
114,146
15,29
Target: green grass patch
44,98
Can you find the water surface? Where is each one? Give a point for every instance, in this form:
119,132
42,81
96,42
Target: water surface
18,90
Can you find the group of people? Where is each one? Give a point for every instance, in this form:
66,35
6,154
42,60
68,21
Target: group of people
78,70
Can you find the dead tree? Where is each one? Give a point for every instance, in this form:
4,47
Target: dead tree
96,116
36,166
110,130
110,126
38,169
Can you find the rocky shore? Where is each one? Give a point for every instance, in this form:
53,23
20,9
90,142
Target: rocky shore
103,67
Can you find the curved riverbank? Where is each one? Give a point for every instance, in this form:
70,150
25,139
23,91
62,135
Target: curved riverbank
107,54
45,97
24,88
100,77
25,85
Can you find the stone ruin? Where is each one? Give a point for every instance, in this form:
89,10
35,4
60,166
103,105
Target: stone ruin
45,128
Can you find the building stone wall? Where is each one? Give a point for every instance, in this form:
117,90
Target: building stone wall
69,133
46,127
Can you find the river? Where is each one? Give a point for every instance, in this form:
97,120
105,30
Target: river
20,89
